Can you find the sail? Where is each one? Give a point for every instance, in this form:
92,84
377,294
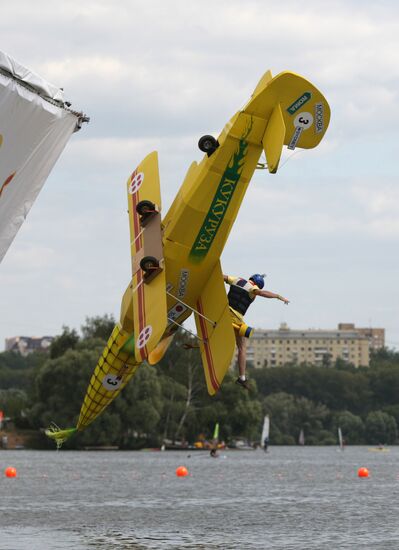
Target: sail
265,429
301,439
216,433
340,439
35,126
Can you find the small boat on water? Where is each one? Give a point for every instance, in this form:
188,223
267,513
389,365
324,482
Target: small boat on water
240,444
380,449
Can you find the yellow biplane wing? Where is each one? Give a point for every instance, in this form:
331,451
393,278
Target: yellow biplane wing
213,322
148,284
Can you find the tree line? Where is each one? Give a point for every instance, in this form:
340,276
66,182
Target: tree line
169,401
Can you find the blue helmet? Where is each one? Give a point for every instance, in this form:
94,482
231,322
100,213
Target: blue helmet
258,279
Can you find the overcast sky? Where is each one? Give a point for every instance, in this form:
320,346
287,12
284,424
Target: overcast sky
156,75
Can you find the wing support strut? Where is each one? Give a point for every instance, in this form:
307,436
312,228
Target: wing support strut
186,329
213,323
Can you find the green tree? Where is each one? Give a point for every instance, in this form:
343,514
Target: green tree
182,387
60,387
98,327
139,407
352,427
13,402
392,410
12,360
170,400
336,389
19,372
290,414
380,428
67,340
104,431
384,384
383,356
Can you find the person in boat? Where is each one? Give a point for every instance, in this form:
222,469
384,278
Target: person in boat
265,444
241,295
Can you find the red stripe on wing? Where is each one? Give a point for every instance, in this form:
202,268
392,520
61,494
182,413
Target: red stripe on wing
138,244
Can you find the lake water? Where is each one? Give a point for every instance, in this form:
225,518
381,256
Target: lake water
289,498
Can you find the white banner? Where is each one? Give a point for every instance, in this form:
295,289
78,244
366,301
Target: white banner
33,133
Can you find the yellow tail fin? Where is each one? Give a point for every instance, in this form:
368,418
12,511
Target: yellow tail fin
58,435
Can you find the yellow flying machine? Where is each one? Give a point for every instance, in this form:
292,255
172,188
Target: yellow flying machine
176,267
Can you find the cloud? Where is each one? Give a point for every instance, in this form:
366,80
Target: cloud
37,257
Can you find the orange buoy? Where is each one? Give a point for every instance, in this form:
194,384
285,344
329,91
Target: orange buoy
10,471
181,471
363,472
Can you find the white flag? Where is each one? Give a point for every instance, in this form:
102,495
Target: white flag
34,128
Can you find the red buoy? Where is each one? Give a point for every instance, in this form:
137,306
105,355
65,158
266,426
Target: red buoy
10,471
363,472
181,471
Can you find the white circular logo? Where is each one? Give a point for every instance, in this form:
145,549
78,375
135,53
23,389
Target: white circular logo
144,336
136,183
303,120
111,382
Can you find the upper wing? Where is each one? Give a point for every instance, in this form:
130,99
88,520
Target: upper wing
214,326
148,283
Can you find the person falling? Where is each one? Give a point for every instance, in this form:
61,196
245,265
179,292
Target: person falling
241,295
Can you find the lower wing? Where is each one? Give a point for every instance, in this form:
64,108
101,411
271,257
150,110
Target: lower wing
213,321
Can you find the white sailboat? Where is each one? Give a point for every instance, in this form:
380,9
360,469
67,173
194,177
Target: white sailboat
301,438
264,440
340,440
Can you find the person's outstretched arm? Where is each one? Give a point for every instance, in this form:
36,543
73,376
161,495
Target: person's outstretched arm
268,294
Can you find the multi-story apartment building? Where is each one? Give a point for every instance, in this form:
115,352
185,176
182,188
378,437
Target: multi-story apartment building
273,348
27,344
376,336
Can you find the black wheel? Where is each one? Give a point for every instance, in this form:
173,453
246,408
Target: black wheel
208,144
148,263
145,207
